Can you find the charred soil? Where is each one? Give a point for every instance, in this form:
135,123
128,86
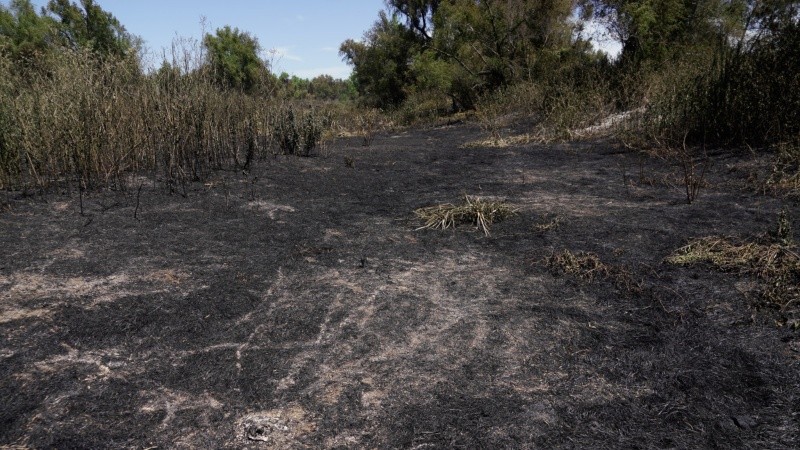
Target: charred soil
300,306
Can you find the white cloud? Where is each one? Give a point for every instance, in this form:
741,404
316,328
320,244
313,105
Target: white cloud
282,53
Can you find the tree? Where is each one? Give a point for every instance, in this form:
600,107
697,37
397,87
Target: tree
234,60
754,91
470,47
382,61
462,48
656,32
418,13
498,42
89,26
325,87
24,34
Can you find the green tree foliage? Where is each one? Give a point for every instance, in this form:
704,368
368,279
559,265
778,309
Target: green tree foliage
497,42
293,86
739,59
382,61
88,26
28,36
321,87
753,92
660,31
325,87
24,34
234,59
461,48
418,13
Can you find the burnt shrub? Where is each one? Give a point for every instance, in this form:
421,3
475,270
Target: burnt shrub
298,133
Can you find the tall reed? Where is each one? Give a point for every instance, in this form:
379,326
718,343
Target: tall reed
90,121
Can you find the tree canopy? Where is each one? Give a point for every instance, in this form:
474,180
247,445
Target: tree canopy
459,48
88,26
23,32
26,33
234,58
660,31
463,48
382,61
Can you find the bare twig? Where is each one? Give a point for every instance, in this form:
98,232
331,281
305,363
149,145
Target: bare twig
692,180
138,194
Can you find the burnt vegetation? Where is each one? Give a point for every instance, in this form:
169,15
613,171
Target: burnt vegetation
201,252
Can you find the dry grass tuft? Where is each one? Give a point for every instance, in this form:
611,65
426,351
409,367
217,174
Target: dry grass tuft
547,225
584,265
747,257
511,141
775,265
475,210
785,176
588,267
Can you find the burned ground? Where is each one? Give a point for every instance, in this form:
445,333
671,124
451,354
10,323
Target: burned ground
297,306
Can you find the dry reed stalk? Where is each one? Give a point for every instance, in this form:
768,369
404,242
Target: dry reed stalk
475,210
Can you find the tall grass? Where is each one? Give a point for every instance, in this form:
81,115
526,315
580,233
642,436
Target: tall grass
711,95
554,106
746,95
89,122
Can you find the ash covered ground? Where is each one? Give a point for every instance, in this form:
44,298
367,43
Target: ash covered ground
299,306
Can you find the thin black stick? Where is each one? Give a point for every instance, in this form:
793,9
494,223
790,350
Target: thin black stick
138,194
80,195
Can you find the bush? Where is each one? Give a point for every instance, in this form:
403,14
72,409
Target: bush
785,176
421,107
754,97
555,107
299,134
730,96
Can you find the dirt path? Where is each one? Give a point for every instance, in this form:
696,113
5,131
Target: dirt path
297,307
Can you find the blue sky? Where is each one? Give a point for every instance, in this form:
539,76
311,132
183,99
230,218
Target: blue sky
301,37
